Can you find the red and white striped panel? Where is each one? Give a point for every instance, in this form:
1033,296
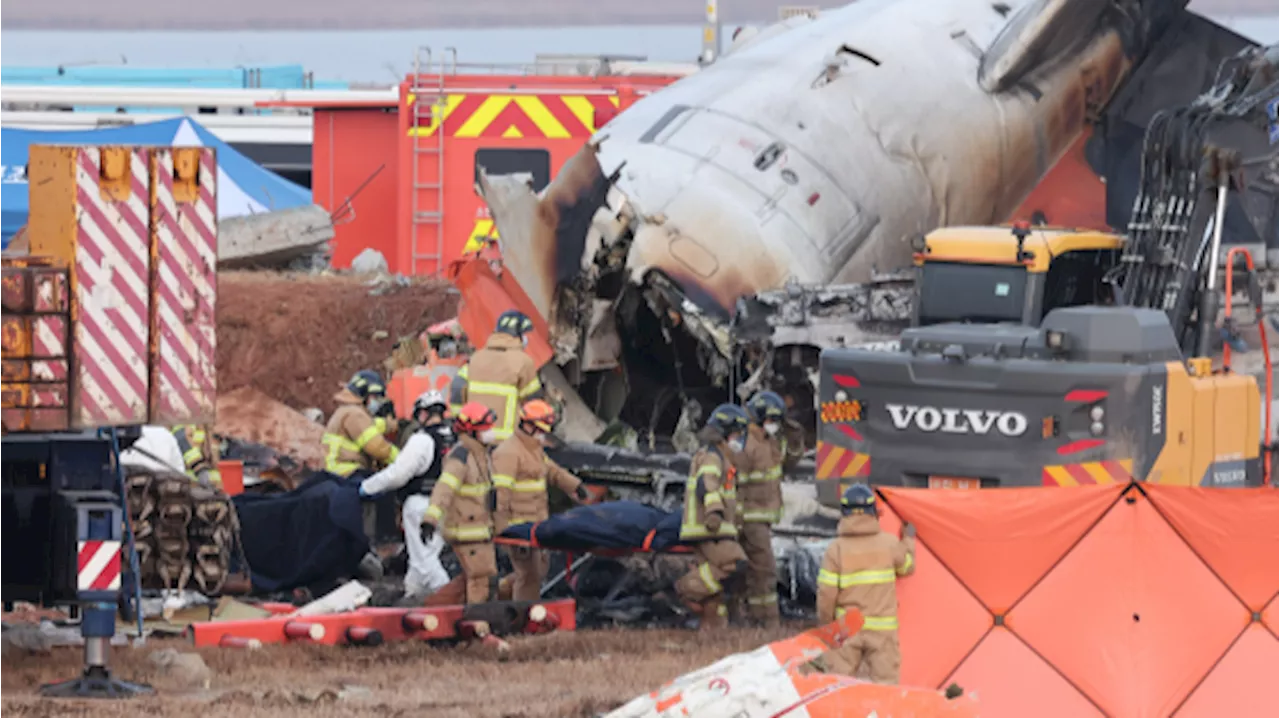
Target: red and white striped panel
49,366
113,274
98,566
184,381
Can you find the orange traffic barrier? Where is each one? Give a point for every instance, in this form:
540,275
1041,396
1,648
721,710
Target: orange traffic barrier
421,620
238,642
540,620
1118,600
232,471
303,630
364,636
473,629
429,623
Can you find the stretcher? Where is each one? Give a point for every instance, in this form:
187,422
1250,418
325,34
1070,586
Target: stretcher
575,560
374,626
609,530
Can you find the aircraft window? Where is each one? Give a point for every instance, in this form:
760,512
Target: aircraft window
769,155
971,293
535,162
1001,9
859,54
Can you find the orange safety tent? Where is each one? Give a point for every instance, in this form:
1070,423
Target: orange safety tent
1130,600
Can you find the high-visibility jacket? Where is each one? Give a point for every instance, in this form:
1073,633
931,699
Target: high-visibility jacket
709,490
353,440
199,451
501,376
760,477
521,472
860,570
460,499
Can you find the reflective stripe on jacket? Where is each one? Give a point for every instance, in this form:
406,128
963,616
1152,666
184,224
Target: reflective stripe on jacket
760,477
460,499
500,376
860,570
709,490
353,440
521,472
199,451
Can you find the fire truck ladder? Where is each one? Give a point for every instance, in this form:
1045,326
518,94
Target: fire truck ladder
426,230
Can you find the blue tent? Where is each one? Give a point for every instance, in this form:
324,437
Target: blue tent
243,186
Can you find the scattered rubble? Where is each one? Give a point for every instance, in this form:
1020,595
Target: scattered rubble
369,261
273,239
181,671
248,414
28,637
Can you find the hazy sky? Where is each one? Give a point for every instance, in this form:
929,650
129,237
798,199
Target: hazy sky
417,14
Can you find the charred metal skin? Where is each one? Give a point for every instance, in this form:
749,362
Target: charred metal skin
810,153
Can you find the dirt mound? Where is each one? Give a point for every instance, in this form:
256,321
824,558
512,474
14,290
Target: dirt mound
297,337
248,414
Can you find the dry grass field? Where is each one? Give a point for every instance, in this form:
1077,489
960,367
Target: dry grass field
566,675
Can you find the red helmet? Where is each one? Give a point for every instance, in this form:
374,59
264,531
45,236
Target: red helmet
474,418
540,414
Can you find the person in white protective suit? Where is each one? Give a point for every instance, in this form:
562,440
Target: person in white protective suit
155,450
412,476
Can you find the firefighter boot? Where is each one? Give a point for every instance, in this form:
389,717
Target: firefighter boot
715,615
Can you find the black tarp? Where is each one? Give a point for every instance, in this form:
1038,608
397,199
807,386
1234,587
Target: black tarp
312,536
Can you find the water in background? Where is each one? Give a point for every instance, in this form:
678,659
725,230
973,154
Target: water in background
381,56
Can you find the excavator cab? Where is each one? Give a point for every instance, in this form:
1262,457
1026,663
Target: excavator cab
1015,274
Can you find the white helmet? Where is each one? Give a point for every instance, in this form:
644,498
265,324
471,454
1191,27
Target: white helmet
432,399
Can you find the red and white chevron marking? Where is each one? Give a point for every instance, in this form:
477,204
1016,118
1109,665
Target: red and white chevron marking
187,237
113,275
98,566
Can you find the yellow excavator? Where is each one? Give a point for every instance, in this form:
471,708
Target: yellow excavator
1064,357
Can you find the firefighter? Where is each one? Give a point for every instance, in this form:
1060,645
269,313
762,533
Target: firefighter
521,472
353,440
760,493
199,453
708,520
429,409
860,570
460,501
501,375
412,476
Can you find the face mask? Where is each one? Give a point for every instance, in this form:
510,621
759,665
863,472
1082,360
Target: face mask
737,444
771,428
487,436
